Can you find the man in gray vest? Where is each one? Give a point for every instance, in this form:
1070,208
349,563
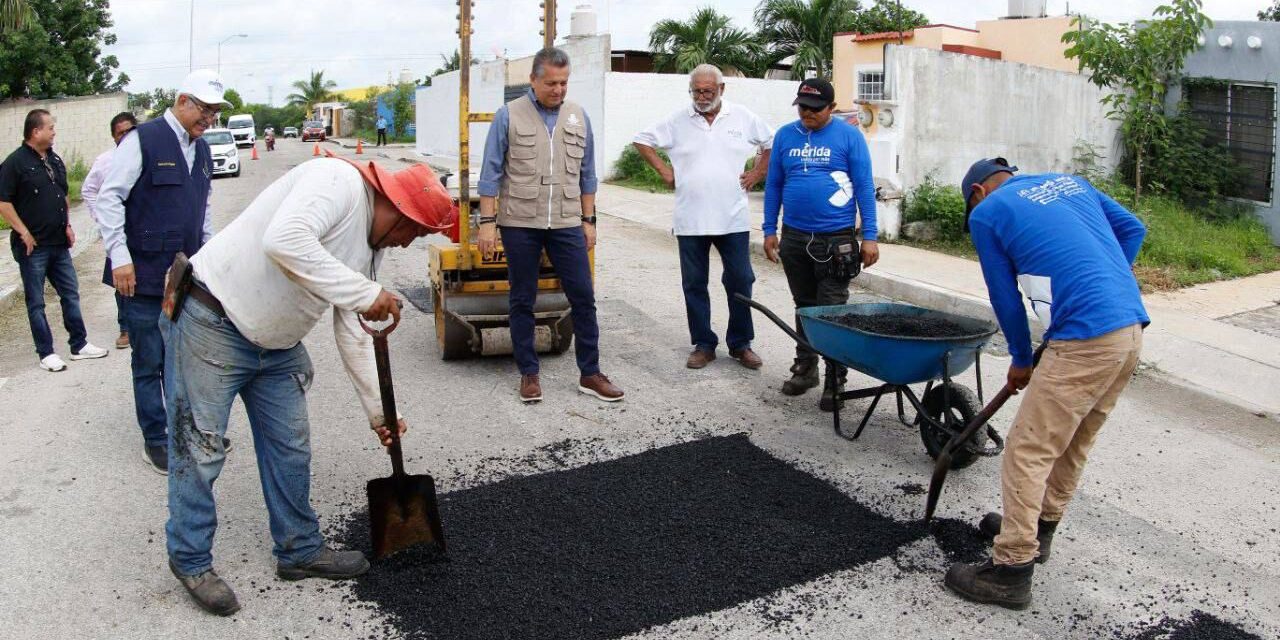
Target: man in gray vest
154,203
538,188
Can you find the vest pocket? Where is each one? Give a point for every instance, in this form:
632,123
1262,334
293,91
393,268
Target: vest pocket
523,200
156,241
166,177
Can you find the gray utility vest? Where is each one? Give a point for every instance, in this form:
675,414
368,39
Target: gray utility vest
541,188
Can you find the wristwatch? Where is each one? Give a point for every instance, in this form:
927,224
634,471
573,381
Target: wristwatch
488,220
589,220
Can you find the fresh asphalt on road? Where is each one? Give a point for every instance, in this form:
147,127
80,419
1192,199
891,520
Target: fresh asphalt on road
1177,511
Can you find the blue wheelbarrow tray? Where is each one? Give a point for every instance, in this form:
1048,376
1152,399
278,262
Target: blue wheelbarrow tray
897,360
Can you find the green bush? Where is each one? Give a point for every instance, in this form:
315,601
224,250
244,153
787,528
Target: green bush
932,201
631,170
76,173
1184,161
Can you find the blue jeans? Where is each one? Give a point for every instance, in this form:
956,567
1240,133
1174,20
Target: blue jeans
142,315
53,264
695,267
567,249
209,363
121,320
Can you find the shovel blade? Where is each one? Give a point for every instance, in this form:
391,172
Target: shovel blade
940,469
403,513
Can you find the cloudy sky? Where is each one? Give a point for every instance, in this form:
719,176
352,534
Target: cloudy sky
361,43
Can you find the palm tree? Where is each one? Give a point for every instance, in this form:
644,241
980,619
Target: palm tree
15,15
708,37
317,89
805,29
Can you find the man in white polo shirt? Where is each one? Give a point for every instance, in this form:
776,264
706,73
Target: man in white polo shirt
709,142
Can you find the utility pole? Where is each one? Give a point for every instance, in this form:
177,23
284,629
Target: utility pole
269,95
191,39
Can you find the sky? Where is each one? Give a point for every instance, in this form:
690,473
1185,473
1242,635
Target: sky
363,43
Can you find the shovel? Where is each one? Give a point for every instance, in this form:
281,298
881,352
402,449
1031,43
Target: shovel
403,511
943,463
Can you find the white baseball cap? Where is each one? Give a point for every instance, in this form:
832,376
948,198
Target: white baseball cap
204,85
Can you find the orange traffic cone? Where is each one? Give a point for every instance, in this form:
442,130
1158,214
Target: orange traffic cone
316,152
255,152
359,146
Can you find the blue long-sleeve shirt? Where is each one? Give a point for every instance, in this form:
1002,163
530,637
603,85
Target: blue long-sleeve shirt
1059,227
494,165
820,179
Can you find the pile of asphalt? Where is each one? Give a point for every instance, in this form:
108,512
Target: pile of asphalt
1200,626
612,548
906,326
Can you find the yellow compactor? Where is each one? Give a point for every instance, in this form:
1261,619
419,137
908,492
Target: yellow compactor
469,293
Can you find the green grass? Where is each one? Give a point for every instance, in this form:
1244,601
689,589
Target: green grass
371,136
1184,245
76,173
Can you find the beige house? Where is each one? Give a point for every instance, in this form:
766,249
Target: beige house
858,59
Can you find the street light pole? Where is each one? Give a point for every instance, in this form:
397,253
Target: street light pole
238,35
191,38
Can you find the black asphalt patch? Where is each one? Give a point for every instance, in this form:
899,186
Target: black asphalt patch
1200,626
612,548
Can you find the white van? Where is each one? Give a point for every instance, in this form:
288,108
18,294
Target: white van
243,129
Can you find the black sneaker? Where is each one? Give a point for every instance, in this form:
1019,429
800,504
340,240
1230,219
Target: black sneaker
157,458
209,591
226,445
1006,585
335,565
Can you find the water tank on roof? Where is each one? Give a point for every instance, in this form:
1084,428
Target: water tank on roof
406,76
582,23
1028,8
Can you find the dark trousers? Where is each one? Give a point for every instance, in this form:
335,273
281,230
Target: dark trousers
382,137
737,277
142,314
52,264
806,260
567,249
121,319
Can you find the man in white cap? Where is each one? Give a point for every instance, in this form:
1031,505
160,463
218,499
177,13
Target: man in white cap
154,203
307,246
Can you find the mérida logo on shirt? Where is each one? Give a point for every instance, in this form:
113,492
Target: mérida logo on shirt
810,151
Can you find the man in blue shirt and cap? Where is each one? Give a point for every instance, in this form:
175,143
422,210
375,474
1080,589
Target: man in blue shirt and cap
1060,228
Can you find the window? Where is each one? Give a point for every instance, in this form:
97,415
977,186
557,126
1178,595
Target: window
1242,117
871,85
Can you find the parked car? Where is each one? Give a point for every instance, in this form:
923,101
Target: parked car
222,146
242,129
313,131
290,132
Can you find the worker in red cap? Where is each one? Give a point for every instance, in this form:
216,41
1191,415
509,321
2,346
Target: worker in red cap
310,243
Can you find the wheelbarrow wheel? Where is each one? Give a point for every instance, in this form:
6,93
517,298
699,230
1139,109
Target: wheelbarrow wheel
964,406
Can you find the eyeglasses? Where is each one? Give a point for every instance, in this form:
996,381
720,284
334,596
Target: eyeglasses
704,93
207,112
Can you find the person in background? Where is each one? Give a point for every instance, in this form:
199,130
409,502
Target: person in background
33,200
1059,228
121,124
708,141
382,131
820,178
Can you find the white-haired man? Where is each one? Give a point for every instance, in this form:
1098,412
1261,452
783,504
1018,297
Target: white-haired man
708,143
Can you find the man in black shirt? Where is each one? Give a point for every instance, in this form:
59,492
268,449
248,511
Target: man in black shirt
33,200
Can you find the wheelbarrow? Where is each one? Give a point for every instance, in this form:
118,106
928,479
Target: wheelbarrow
900,361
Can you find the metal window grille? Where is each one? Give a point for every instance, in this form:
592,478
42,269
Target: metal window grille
871,85
1242,117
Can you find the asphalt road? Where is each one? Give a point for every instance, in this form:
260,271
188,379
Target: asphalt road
1177,511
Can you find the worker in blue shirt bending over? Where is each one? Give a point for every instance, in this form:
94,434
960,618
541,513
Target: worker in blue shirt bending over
820,176
1060,228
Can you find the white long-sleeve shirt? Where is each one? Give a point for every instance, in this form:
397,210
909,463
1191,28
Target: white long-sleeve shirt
126,168
93,183
299,249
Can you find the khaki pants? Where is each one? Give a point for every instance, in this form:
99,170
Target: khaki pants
1071,393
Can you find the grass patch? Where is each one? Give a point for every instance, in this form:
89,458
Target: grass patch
1184,246
76,173
371,136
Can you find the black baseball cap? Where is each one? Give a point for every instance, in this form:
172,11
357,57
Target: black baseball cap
977,174
815,93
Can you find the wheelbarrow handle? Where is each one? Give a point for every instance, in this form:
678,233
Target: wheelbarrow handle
776,320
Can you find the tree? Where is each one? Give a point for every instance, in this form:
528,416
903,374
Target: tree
312,91
401,103
1272,13
1137,61
15,15
60,54
805,29
888,16
159,101
233,98
708,37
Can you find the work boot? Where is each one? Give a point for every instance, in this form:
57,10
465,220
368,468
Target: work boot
831,390
209,591
598,385
530,388
990,528
699,358
122,342
335,565
747,358
1006,585
804,376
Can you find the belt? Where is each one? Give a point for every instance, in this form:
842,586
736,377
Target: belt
207,299
820,234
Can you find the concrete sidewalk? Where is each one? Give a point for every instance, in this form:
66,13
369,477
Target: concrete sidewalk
11,280
1221,338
